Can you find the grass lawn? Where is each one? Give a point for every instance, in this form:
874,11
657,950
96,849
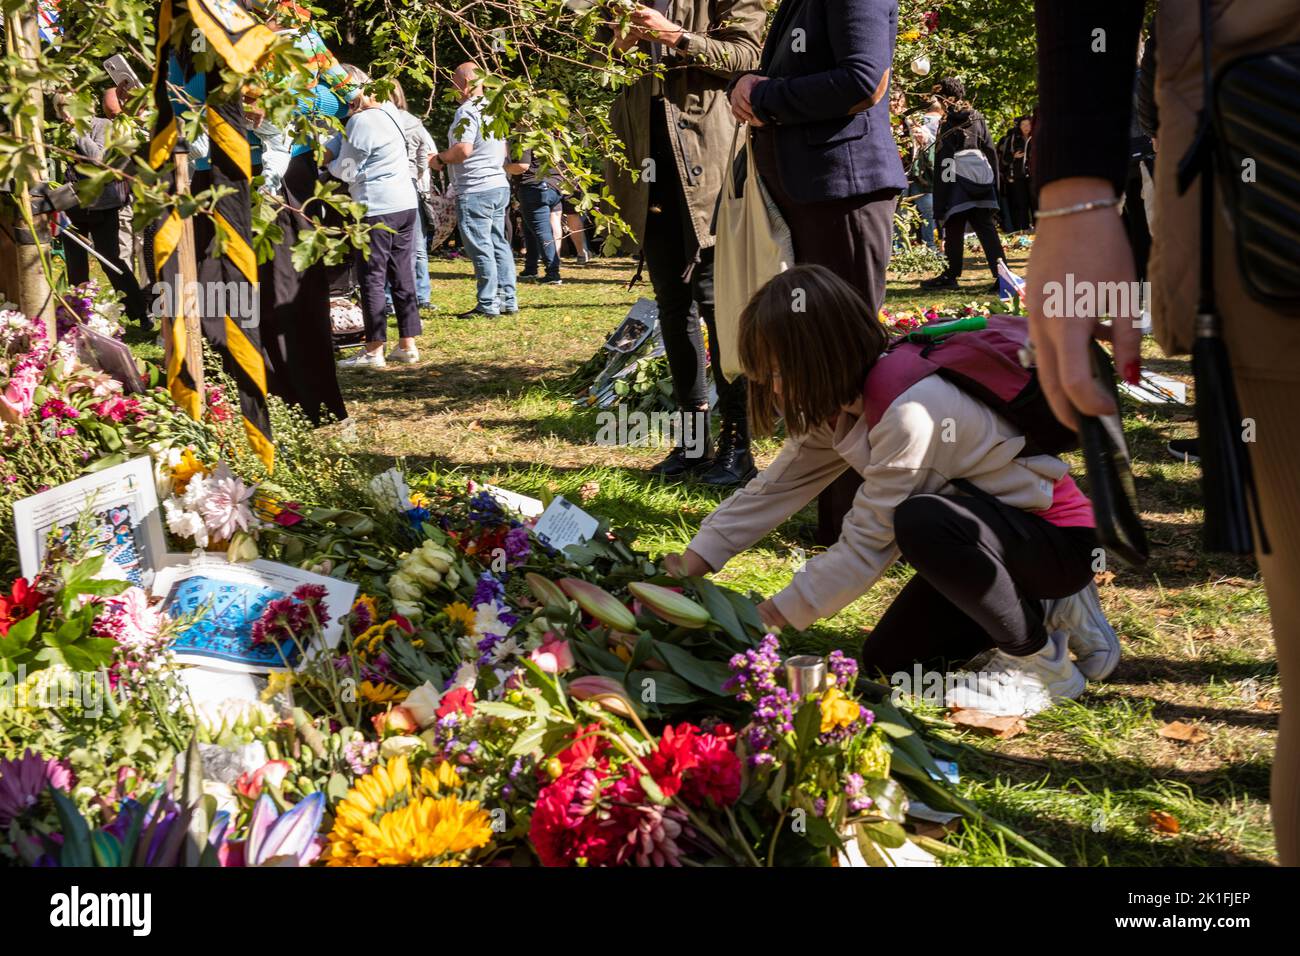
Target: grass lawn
1094,782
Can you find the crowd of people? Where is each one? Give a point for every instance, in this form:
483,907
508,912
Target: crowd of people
1001,538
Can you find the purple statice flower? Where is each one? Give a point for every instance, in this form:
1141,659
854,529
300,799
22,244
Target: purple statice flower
844,669
819,807
361,755
754,679
517,545
488,589
853,789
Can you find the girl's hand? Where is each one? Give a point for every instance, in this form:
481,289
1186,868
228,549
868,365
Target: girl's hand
688,564
772,616
1093,248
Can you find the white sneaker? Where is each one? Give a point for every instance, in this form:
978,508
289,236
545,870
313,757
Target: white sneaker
364,359
404,356
1009,686
1095,645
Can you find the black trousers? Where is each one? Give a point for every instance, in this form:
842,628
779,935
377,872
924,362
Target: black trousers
853,238
984,222
99,228
983,569
296,333
391,264
680,278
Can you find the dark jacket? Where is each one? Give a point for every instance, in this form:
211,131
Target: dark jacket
831,141
962,129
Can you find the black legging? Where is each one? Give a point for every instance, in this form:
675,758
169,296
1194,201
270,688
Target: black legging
983,569
984,222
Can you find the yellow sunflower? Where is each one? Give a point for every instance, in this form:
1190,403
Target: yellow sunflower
380,693
390,819
460,613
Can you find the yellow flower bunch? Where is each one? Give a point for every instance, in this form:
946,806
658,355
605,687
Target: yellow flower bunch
370,641
380,693
461,613
838,710
392,819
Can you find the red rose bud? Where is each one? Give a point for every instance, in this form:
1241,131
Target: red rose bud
599,603
668,604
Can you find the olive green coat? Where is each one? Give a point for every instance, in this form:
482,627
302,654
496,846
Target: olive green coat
726,40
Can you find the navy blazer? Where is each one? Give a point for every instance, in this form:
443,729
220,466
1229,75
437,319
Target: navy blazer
823,59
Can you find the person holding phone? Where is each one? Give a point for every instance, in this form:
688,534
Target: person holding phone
1002,541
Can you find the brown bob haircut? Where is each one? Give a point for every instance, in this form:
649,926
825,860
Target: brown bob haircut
811,330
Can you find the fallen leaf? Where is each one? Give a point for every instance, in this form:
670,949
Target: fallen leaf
1164,822
1004,728
1103,578
589,490
475,426
1183,733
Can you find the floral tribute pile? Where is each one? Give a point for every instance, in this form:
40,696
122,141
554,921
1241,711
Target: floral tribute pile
492,701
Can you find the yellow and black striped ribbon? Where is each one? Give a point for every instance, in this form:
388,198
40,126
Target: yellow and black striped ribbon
235,337
241,43
167,236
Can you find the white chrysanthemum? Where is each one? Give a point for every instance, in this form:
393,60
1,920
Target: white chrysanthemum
185,523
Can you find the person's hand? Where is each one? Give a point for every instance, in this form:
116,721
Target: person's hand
436,164
688,564
1094,248
741,107
655,26
772,616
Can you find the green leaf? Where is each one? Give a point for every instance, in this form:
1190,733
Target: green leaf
76,849
822,834
652,790
107,849
884,833
719,608
708,675
529,740
666,688
499,708
807,724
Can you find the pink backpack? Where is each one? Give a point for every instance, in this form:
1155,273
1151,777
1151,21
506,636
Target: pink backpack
986,365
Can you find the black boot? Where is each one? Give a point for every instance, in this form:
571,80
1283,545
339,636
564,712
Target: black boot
945,280
732,463
693,453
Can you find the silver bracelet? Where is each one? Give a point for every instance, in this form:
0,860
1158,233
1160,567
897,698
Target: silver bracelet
1078,207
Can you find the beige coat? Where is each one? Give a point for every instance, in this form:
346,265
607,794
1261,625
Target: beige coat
906,454
726,41
1262,342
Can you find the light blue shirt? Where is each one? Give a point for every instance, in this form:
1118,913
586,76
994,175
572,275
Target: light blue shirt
371,159
485,168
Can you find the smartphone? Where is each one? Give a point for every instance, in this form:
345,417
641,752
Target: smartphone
1110,475
120,72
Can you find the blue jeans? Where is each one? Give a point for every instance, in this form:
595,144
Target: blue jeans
423,288
483,231
537,202
925,207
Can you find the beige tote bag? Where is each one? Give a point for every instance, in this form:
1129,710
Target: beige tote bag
753,245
